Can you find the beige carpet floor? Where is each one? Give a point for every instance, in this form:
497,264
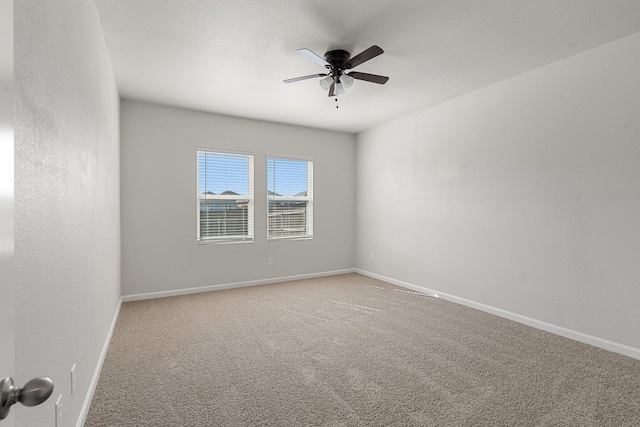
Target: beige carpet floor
350,351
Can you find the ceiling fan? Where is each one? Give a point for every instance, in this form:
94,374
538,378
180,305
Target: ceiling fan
338,62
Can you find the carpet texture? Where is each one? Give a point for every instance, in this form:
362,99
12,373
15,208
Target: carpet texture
350,351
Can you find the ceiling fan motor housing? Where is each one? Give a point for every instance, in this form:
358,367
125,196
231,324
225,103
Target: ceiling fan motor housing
338,59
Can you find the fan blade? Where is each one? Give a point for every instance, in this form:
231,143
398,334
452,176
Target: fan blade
310,76
364,56
373,78
331,90
313,56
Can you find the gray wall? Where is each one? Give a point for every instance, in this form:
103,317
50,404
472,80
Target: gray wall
67,211
159,250
523,196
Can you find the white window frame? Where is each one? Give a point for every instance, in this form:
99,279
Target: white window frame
308,198
250,199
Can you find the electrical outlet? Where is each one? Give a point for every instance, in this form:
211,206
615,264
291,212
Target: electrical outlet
73,379
59,412
269,261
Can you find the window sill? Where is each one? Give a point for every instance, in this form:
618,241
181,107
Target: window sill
276,239
223,242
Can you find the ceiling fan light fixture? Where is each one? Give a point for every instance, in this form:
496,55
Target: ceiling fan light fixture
339,89
326,82
346,81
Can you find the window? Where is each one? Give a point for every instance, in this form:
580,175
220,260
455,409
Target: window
290,198
225,196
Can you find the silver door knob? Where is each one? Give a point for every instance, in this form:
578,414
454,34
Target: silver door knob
33,393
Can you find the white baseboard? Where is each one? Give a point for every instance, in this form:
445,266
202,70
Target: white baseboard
96,374
558,330
161,294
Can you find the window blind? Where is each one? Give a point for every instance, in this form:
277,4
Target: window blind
290,198
225,196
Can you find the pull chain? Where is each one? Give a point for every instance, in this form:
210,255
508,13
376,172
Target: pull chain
336,102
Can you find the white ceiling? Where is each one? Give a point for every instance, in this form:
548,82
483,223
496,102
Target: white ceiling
230,56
